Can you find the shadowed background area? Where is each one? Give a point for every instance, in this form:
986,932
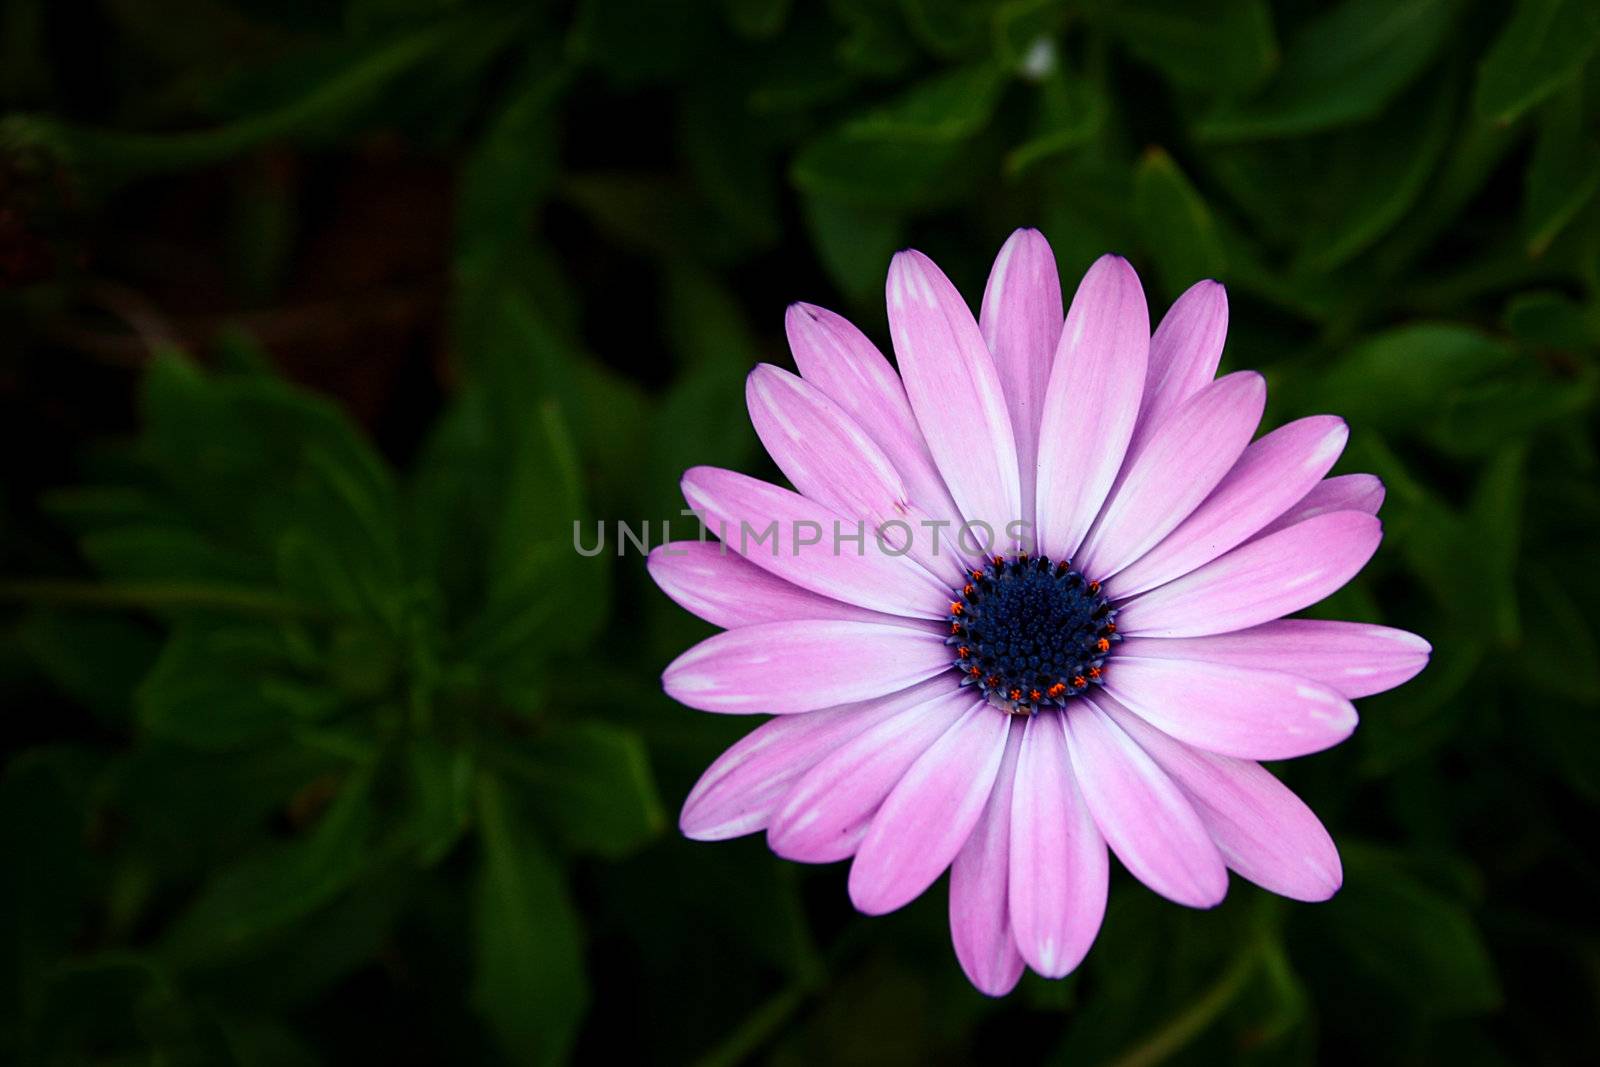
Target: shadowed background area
320,323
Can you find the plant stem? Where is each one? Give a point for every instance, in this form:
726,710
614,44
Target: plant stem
154,595
1189,1023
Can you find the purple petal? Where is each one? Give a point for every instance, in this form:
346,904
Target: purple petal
1021,322
1347,492
741,510
833,461
1237,711
1279,468
930,814
954,389
1259,581
1059,868
819,448
738,793
1178,465
727,590
825,815
781,668
1354,659
1184,353
1262,829
1091,403
1143,815
980,926
838,359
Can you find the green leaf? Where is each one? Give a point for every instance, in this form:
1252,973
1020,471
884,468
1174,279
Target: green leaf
268,470
97,660
948,107
530,984
1368,178
1564,173
731,156
879,175
853,243
877,42
339,95
1175,224
1561,654
758,19
1024,35
1478,421
1341,67
592,783
946,27
1072,112
1543,46
118,1007
1414,944
1494,515
206,689
1220,47
1549,319
277,885
441,794
638,42
513,165
1385,381
172,552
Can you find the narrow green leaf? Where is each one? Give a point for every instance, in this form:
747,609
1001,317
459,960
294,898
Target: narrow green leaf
1543,45
1386,380
879,175
441,795
1341,67
1417,944
945,108
1220,47
110,157
592,783
1370,177
530,984
206,691
1072,112
277,885
1564,173
853,243
1550,319
1175,224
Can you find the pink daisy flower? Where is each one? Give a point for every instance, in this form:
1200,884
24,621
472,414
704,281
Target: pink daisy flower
1102,675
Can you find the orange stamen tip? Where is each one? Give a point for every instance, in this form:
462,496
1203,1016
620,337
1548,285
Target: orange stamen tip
1103,645
956,608
1094,587
1094,672
1079,681
1057,689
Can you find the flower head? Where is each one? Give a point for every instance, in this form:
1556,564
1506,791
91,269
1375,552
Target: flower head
1026,606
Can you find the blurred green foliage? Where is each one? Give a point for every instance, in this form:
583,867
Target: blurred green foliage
323,322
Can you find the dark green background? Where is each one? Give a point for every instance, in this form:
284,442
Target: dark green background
321,321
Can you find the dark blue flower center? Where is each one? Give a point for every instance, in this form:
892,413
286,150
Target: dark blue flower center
1031,633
